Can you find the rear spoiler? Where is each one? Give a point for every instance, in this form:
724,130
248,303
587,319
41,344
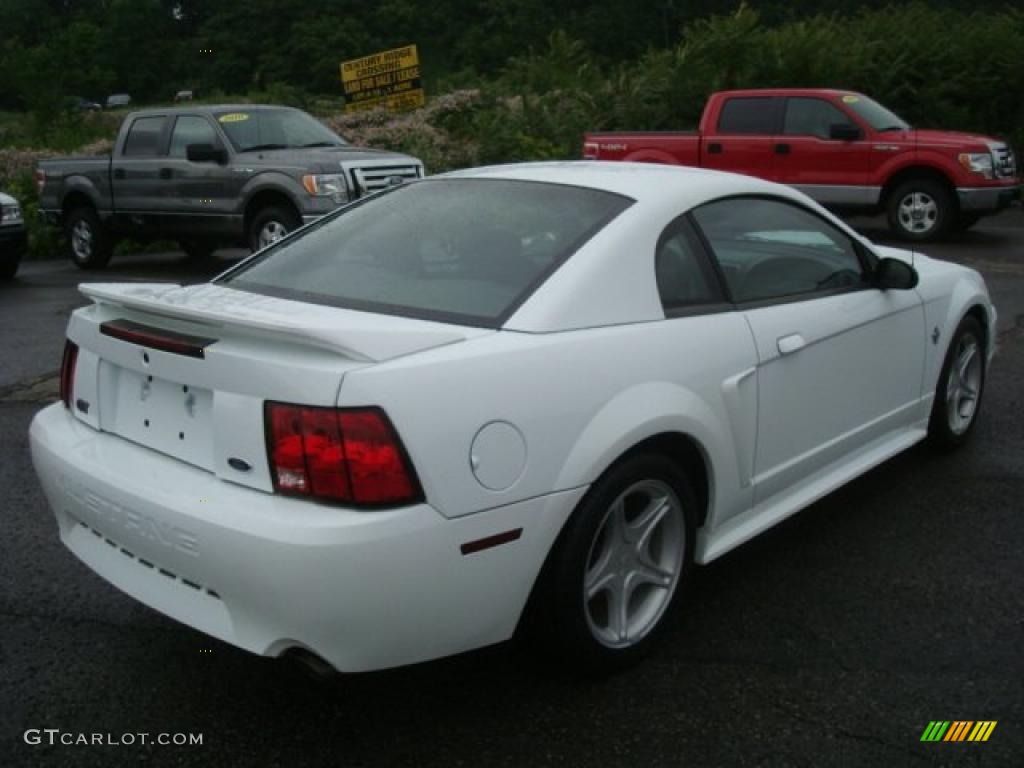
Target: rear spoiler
360,336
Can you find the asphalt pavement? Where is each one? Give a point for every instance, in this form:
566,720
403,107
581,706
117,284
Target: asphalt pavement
832,640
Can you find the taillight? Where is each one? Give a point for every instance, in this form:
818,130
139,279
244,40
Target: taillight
350,455
67,372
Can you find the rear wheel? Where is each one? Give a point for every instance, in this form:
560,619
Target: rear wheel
90,246
270,224
921,210
959,389
618,566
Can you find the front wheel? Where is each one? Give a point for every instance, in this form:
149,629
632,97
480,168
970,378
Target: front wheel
618,566
270,224
921,210
959,389
90,245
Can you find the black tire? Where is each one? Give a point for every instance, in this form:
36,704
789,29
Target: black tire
278,217
561,623
921,210
947,429
89,244
197,250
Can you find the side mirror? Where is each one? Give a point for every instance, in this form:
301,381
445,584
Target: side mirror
843,132
205,153
895,275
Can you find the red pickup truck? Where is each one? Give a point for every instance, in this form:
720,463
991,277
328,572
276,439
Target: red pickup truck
842,149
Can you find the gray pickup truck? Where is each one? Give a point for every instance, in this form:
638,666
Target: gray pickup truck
209,176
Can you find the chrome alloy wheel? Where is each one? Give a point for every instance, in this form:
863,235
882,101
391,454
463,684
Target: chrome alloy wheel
634,564
964,384
81,240
271,232
918,212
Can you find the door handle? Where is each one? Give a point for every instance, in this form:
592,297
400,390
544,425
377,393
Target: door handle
790,344
165,173
714,149
119,173
782,149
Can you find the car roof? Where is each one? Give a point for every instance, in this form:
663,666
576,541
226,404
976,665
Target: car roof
644,182
206,109
610,280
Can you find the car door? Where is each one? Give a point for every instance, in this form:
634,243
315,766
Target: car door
743,139
199,195
137,183
840,362
832,171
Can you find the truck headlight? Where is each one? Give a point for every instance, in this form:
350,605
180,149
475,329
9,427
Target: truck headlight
330,185
11,214
977,162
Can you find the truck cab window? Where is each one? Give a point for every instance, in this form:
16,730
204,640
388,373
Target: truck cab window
754,115
144,137
191,129
811,117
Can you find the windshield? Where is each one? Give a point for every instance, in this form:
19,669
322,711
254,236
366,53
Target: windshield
275,129
467,251
877,116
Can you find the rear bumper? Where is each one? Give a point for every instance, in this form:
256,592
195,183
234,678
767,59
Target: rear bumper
363,590
986,199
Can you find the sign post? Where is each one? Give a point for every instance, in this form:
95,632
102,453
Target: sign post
390,79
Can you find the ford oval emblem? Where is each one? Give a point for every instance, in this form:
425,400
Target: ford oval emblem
240,464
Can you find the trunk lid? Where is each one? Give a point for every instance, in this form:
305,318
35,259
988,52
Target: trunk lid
185,371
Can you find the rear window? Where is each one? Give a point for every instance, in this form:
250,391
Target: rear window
467,251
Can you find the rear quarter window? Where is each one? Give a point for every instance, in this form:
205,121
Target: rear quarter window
459,250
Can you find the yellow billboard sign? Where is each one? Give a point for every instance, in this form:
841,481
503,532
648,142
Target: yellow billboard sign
389,79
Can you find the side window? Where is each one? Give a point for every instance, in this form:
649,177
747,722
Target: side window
811,117
144,137
684,277
769,249
754,115
190,129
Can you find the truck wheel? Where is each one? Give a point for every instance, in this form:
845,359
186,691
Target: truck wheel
90,247
197,250
270,224
921,210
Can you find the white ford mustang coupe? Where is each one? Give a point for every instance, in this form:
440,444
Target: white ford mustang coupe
521,396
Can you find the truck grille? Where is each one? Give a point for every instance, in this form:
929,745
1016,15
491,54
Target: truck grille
1005,165
370,178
